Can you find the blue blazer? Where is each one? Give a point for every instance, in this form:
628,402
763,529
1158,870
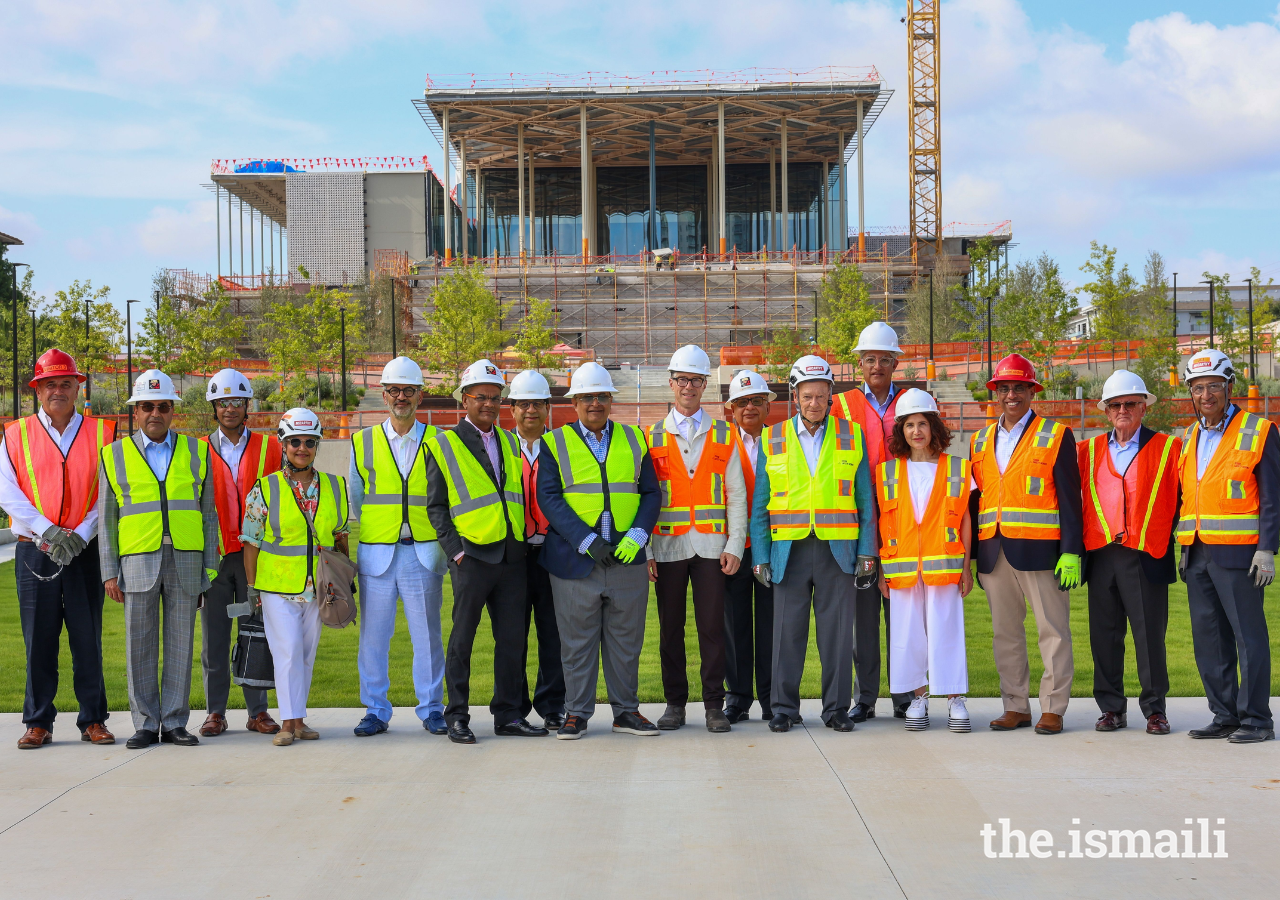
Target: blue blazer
560,554
846,552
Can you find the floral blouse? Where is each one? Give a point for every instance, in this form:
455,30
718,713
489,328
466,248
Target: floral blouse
254,526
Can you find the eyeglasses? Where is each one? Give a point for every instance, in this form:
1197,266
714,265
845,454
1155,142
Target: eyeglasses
744,402
884,362
163,408
526,405
1006,389
595,398
400,391
230,403
485,398
309,443
697,382
1126,405
1216,387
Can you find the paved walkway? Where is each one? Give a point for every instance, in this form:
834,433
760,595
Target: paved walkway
877,813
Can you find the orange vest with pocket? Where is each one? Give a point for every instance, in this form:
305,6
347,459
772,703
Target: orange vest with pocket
1022,502
1135,510
749,476
64,489
692,499
931,549
261,457
853,405
1222,507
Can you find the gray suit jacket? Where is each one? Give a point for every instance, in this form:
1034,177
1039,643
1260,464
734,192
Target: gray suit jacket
137,572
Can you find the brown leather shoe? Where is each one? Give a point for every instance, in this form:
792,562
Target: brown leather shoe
1157,724
1011,720
1049,724
97,734
214,725
262,723
1110,721
34,738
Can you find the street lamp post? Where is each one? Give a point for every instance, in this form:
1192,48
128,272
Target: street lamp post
1210,283
930,315
128,342
13,284
88,376
342,313
990,370
1252,364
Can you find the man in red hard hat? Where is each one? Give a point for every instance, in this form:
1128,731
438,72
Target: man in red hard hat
49,487
1030,540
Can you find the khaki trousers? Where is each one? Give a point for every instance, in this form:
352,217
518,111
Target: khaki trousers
1008,591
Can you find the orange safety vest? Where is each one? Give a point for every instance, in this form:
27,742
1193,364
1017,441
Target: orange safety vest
931,549
748,475
853,405
534,521
1023,501
1136,510
261,457
1222,507
692,498
63,489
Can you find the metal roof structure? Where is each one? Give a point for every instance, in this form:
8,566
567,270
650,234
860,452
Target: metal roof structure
9,240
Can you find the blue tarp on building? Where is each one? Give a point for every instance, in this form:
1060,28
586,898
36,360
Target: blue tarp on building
266,166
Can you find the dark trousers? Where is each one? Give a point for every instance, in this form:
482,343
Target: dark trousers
1228,628
748,638
672,590
74,597
231,586
540,609
1121,596
499,587
866,647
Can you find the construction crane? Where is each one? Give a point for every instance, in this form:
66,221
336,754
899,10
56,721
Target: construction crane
924,137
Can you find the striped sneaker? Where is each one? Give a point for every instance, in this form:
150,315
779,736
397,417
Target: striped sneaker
918,714
957,714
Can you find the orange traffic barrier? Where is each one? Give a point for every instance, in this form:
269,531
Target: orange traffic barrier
344,427
1255,399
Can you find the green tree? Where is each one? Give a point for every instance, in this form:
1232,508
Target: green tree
1114,297
207,333
783,347
1032,317
157,334
1231,326
463,325
1158,350
27,302
95,346
535,338
950,318
303,336
845,309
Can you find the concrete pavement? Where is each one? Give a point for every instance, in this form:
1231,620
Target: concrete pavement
877,813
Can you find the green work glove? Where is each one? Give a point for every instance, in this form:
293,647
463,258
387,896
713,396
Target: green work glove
627,550
1068,571
211,574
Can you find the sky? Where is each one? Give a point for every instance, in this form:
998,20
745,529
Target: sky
1146,125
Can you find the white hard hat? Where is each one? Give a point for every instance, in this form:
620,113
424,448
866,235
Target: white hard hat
1122,383
747,383
914,400
810,368
228,383
1209,362
153,385
692,359
297,422
480,372
878,336
402,370
590,378
529,385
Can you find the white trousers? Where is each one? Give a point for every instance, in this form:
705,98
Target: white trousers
926,643
293,632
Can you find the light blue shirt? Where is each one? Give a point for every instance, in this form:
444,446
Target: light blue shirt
811,444
881,408
1122,454
158,454
375,559
1006,441
1209,439
599,448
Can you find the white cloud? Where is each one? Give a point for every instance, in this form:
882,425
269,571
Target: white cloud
178,233
21,225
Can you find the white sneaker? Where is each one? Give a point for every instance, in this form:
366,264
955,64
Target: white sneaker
918,714
957,714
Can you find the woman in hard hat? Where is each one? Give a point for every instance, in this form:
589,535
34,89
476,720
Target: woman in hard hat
925,544
281,512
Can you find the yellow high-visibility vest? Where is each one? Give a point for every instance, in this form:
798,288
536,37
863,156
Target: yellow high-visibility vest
822,502
150,507
287,557
587,483
475,505
390,499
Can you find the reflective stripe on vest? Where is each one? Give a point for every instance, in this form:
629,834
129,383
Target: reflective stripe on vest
823,502
390,499
1149,480
1222,507
286,559
261,456
63,489
149,507
696,501
931,549
584,482
474,502
1023,500
876,428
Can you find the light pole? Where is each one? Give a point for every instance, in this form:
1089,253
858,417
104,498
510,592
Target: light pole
34,404
1252,364
1210,283
342,313
88,376
931,315
13,283
990,371
128,342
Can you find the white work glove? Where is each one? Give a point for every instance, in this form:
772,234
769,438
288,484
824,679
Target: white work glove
1263,568
764,574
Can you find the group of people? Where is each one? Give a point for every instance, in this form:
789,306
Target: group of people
849,512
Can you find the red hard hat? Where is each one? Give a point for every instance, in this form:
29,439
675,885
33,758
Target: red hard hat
53,363
1015,367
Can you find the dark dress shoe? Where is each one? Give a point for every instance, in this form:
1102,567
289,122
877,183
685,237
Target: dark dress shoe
179,736
900,711
459,733
1252,734
1110,721
634,723
553,722
141,738
736,714
1213,731
765,714
519,728
840,721
780,722
1157,724
861,712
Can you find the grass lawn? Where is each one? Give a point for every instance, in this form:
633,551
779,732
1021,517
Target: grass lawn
336,682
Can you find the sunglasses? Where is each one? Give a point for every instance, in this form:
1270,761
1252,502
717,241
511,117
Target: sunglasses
594,398
148,407
1127,406
231,403
400,391
309,443
744,402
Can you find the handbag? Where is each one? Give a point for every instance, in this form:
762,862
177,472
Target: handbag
251,662
334,581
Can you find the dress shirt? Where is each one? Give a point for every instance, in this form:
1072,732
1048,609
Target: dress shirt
490,440
1006,441
751,445
529,449
599,447
1122,454
24,518
677,547
231,452
687,425
1208,440
373,559
158,454
879,407
811,444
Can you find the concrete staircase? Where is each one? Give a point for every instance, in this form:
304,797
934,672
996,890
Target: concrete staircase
950,391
